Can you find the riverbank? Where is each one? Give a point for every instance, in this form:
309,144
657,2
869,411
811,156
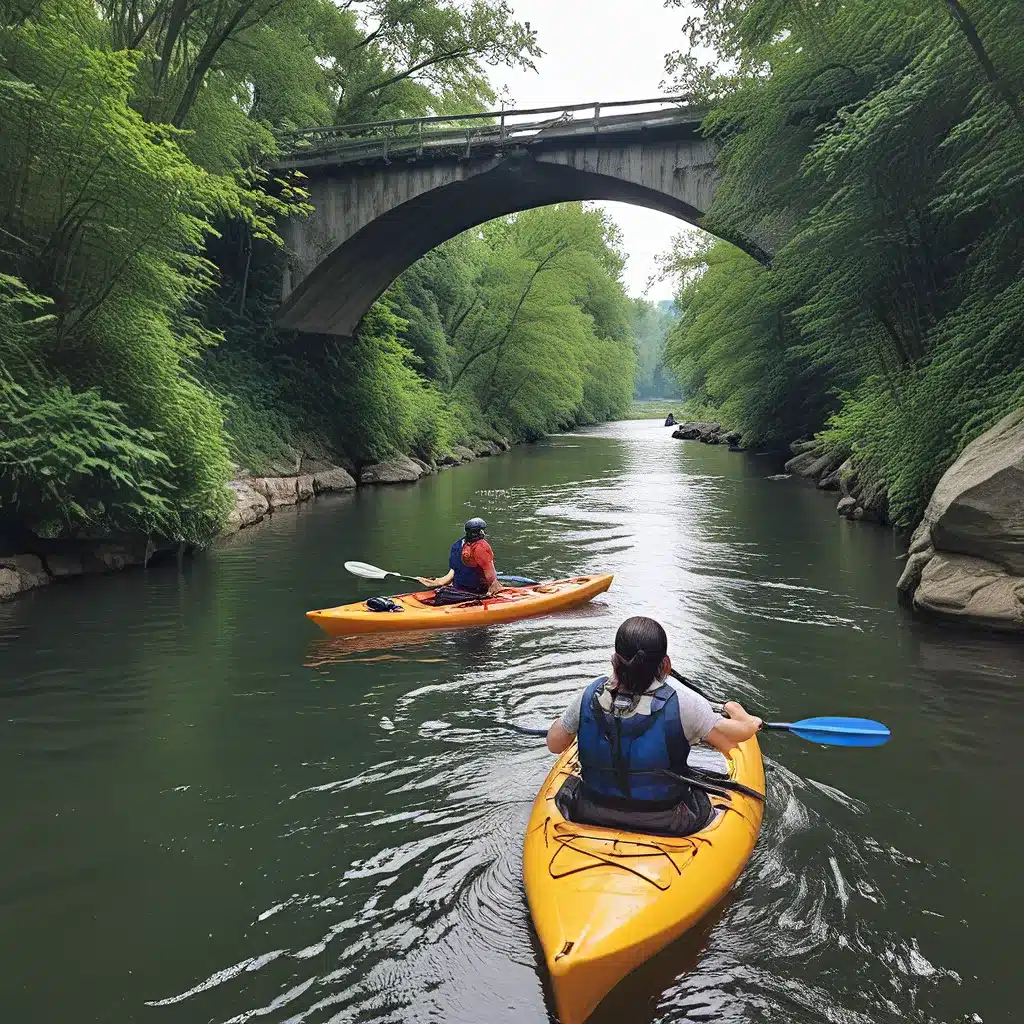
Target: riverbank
42,562
965,559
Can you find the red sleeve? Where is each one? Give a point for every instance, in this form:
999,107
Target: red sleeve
480,555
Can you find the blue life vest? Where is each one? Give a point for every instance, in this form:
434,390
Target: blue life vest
467,577
621,757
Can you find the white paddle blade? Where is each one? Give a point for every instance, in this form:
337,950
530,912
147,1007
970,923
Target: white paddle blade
368,572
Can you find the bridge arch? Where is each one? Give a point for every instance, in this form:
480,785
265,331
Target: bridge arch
381,204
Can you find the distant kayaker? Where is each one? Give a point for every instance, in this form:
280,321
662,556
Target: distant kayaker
633,725
471,573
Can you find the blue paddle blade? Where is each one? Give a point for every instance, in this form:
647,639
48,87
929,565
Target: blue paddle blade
516,581
841,732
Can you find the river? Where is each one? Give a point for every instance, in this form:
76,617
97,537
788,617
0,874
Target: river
214,813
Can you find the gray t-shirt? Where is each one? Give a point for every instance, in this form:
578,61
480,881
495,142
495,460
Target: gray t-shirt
698,717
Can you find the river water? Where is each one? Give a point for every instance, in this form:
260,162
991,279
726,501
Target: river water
213,813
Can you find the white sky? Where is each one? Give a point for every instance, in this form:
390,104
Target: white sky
603,50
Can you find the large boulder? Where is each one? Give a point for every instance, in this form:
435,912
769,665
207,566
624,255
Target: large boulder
19,573
425,467
846,506
482,449
971,589
250,506
967,555
814,465
399,470
696,430
978,506
333,479
463,454
278,490
304,487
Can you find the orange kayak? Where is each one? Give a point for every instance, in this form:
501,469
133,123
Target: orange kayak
603,901
510,604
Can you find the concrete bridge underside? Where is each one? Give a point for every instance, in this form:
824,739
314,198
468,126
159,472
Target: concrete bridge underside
371,222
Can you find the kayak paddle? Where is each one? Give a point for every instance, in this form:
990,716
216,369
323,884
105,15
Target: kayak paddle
373,572
836,732
829,731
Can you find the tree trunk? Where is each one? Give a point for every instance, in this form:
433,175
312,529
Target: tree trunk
964,23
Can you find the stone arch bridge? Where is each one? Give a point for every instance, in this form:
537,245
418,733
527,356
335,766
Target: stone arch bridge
387,193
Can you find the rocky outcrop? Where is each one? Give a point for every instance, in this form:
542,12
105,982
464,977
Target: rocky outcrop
400,470
816,464
19,573
696,430
278,491
865,493
251,506
708,432
333,479
483,449
966,558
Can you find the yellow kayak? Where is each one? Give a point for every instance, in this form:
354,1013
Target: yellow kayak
512,603
604,901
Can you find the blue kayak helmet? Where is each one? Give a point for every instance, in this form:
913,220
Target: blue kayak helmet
475,528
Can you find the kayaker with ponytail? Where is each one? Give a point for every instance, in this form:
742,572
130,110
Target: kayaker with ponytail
471,573
633,725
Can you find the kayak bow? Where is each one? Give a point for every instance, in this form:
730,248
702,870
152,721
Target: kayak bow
604,901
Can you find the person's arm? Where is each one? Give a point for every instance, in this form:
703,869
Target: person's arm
563,730
559,738
441,581
730,732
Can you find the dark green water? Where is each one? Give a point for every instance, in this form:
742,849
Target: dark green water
213,813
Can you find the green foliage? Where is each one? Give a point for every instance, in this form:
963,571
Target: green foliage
510,330
132,131
877,150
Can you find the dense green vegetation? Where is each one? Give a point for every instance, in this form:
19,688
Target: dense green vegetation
511,330
876,149
139,265
651,324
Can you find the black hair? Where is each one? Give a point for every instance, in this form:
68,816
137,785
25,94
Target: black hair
640,647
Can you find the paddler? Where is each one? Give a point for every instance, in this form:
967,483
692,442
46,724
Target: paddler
633,725
471,573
